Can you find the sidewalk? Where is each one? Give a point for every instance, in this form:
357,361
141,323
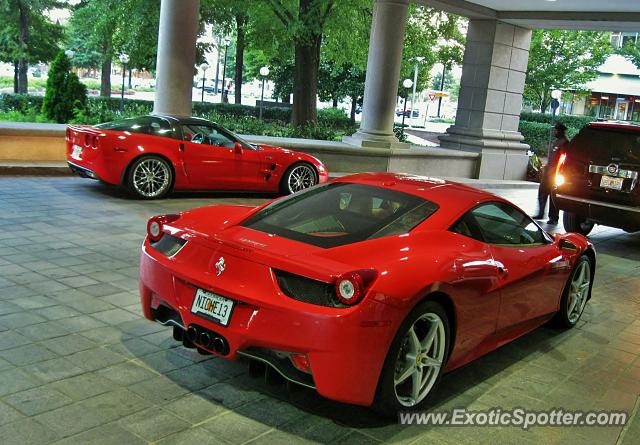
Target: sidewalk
43,168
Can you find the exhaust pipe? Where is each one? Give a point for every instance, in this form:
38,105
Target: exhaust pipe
220,345
205,339
192,334
178,333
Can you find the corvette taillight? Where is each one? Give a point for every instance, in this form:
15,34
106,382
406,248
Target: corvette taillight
156,224
94,141
351,287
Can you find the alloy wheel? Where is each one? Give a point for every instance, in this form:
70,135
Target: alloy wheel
151,177
420,358
578,291
300,177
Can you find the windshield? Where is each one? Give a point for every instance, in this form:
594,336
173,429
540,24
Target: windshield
340,213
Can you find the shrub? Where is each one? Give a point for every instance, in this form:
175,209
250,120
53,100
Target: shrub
19,102
65,93
334,118
570,121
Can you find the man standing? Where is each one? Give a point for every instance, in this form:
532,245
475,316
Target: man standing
548,175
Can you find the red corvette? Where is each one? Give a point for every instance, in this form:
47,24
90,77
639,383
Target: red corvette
151,155
366,288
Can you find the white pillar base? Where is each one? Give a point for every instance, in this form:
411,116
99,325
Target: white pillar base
365,139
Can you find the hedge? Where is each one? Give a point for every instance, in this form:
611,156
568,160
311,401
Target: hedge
538,135
332,123
569,121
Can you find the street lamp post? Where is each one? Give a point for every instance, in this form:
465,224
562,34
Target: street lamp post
444,72
203,67
407,83
264,72
124,59
226,42
415,82
555,103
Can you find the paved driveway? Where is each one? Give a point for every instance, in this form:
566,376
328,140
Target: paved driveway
78,363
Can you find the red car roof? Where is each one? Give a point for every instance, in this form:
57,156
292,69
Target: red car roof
449,195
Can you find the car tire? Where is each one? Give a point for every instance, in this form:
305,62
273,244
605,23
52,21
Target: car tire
576,223
297,177
149,177
575,294
396,390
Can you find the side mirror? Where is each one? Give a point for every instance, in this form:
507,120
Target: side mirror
238,148
565,244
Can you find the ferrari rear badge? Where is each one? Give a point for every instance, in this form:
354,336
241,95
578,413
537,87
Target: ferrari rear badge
220,266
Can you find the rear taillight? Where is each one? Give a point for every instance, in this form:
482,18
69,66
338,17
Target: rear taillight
559,177
87,140
94,141
155,225
301,362
351,287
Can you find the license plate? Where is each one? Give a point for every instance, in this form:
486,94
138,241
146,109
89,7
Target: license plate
609,182
77,151
212,306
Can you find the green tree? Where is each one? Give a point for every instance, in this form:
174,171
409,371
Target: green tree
65,93
435,37
231,17
632,52
95,22
27,36
451,84
563,60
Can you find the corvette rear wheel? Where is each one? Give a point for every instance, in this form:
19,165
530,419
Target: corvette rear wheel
298,177
415,360
575,295
150,177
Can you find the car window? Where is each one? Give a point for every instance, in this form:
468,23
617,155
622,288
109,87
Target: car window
208,135
142,125
501,224
340,213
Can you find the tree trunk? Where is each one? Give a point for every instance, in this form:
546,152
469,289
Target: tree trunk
105,78
23,67
354,105
130,70
286,99
305,84
15,77
335,102
240,22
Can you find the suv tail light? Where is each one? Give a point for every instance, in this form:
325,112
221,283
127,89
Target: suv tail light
559,177
351,287
156,224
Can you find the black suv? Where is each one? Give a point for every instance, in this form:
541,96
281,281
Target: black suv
597,178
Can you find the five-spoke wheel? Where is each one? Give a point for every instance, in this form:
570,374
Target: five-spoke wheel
150,177
576,294
415,360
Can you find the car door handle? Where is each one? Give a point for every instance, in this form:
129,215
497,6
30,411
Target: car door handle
503,271
181,147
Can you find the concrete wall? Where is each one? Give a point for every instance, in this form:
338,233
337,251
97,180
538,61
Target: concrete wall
21,142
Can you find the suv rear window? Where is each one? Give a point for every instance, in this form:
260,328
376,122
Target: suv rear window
608,143
341,213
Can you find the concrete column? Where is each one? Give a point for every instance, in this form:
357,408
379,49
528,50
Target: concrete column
490,100
383,73
177,35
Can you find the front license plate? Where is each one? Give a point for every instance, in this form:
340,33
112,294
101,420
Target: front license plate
609,182
212,306
77,152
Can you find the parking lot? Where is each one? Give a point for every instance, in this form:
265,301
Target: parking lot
79,364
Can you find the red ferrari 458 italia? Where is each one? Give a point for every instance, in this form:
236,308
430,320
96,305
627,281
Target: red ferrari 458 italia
366,288
151,155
